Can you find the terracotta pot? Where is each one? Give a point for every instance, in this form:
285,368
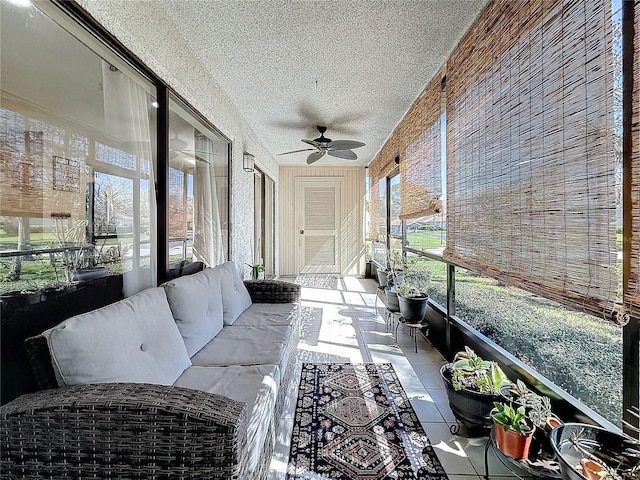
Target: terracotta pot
592,470
552,422
511,443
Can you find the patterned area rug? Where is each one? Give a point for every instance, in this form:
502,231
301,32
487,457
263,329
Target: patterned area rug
355,422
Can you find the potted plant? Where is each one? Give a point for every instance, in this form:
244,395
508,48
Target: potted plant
395,277
368,263
472,386
587,451
256,268
538,410
412,293
513,429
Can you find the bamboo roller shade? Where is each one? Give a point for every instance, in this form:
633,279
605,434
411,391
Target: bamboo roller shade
632,293
420,176
531,196
377,209
416,141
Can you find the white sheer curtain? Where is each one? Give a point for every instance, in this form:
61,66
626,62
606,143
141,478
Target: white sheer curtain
127,113
207,230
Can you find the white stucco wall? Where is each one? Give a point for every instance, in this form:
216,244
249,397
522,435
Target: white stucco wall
144,29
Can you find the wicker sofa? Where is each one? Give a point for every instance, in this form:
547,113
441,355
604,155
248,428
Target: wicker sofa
186,380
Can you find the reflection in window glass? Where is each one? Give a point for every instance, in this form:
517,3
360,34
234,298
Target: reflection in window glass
578,352
198,190
76,163
427,234
379,253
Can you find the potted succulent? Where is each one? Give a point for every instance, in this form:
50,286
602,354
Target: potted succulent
513,429
412,293
472,385
538,410
537,407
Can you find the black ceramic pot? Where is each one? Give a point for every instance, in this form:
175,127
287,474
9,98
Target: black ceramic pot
382,276
413,309
392,300
89,273
472,409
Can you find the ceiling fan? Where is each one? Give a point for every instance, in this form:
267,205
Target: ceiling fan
325,146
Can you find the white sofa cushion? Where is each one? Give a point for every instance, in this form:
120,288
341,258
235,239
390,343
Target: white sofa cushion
256,385
280,314
133,340
247,346
196,304
235,296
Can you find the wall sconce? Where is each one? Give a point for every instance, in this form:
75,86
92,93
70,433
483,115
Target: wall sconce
248,162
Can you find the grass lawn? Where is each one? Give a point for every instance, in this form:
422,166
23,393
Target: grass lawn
425,240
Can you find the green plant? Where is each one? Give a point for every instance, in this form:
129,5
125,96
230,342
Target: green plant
415,281
256,268
395,264
470,371
510,418
540,412
539,406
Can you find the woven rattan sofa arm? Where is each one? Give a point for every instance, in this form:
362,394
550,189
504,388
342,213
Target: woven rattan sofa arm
123,430
273,291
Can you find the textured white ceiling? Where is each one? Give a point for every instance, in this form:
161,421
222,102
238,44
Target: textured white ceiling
355,66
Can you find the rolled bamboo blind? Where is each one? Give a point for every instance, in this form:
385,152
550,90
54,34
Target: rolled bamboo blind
632,293
381,166
420,169
531,196
374,209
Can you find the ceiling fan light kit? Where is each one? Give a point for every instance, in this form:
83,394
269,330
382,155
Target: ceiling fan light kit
325,146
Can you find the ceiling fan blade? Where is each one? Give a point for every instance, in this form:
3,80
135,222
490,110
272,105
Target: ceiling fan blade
345,144
347,154
313,143
314,157
296,151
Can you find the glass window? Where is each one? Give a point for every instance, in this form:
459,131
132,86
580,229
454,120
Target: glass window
394,202
269,226
198,190
578,352
76,158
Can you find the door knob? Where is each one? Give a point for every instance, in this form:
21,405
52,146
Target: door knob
301,231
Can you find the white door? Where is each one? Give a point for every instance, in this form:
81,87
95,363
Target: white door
318,220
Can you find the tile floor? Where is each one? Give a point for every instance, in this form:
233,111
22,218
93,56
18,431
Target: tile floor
341,325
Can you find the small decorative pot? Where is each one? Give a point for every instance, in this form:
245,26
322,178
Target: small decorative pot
552,422
592,469
513,444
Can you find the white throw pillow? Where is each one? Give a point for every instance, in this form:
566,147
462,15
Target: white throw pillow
196,304
235,296
133,340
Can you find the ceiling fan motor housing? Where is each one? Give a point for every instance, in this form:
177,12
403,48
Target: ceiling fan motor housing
322,138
